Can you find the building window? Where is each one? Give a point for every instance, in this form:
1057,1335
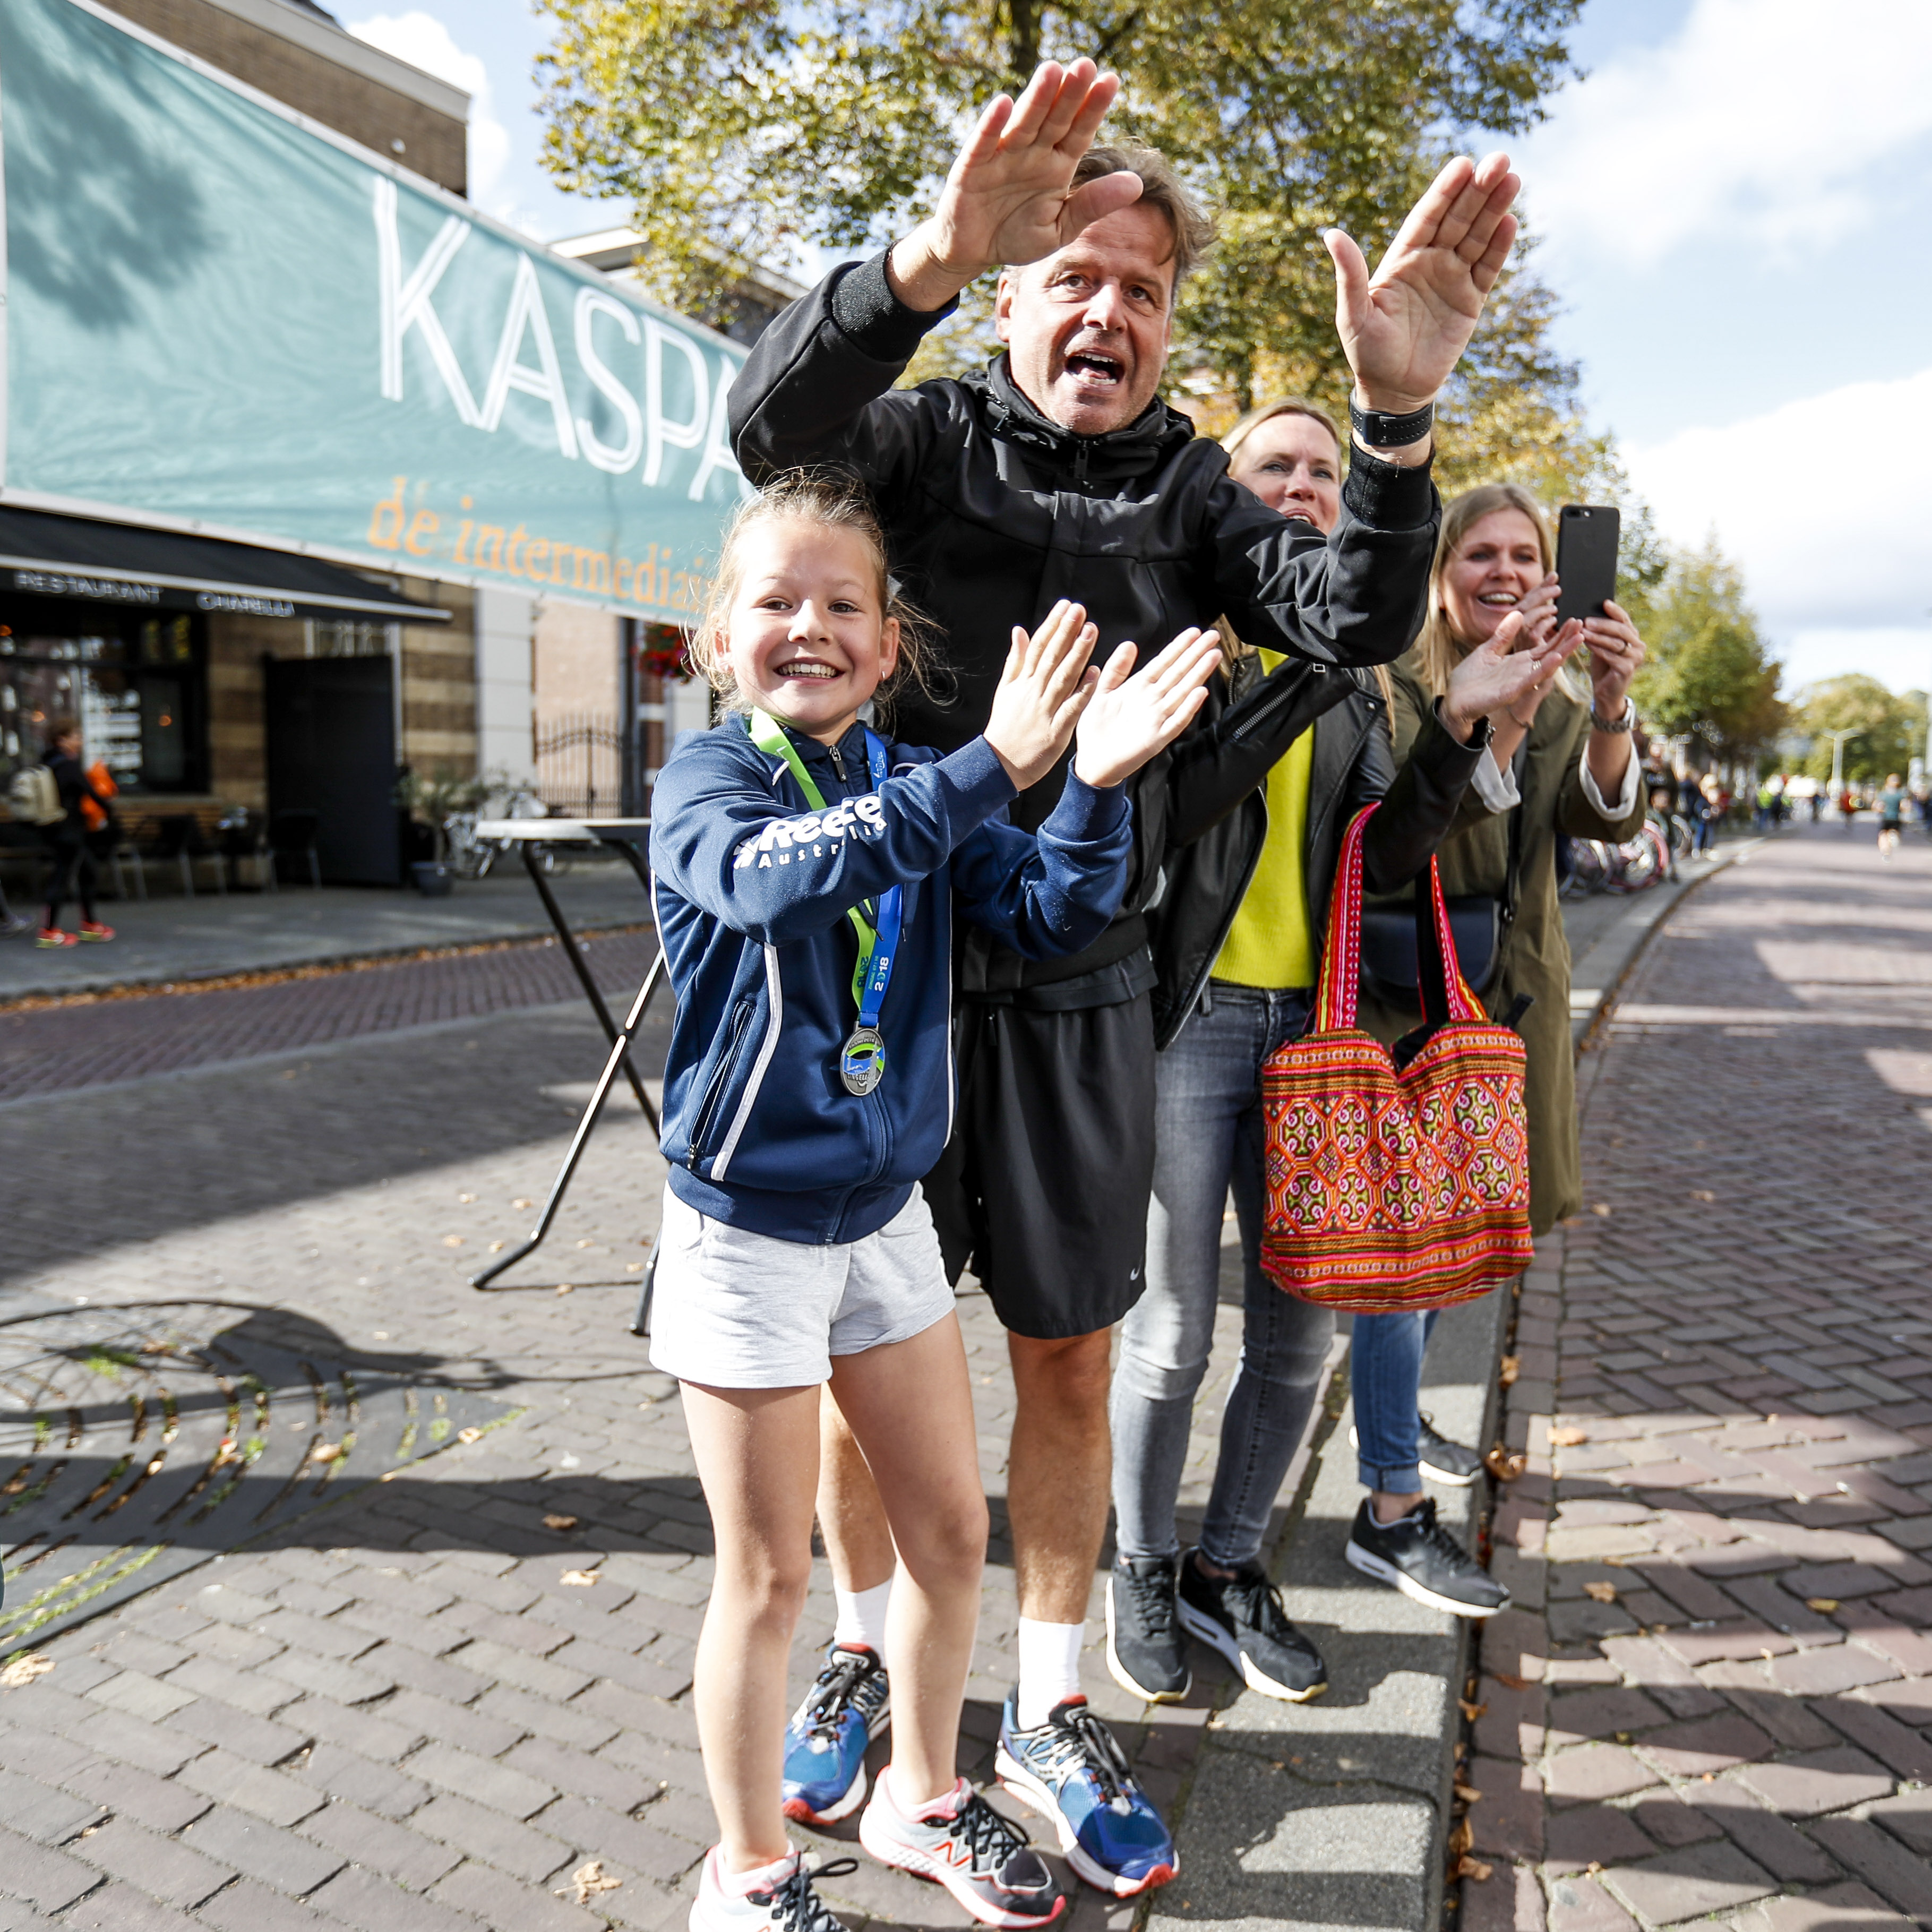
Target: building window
137,683
350,638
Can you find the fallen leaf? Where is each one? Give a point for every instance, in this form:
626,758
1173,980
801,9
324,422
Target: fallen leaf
1468,1794
1601,1208
1568,1437
1624,1737
1468,1867
1824,1605
497,1247
579,1579
1461,1837
465,1197
564,1287
1710,1777
1471,1711
20,1671
470,1435
1596,1866
588,1879
452,1240
523,1201
1507,1369
560,1522
325,1452
1509,1680
633,1267
586,1244
1505,1465
1701,1194
1600,1593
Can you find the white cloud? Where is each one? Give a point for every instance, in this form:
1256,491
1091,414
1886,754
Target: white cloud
1825,503
1764,118
424,42
1902,659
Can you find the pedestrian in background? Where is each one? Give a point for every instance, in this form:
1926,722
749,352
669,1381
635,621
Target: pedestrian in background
66,839
1890,815
1710,814
1561,761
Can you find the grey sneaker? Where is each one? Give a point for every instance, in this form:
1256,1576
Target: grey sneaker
1423,1561
964,1844
1143,1642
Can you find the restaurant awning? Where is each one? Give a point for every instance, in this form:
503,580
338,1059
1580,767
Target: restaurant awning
47,555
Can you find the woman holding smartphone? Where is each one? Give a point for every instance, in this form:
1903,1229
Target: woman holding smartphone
1238,933
1561,761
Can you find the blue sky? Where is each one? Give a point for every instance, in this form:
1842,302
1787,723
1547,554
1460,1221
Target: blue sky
1733,202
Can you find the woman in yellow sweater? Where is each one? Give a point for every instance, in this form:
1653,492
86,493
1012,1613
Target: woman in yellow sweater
1237,942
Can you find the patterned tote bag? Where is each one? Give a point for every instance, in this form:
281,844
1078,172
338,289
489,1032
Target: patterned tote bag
1395,1180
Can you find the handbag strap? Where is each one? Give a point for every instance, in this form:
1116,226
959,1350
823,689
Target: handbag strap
1443,993
1512,876
1342,955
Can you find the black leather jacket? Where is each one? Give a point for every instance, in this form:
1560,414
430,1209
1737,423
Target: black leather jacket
1212,853
992,510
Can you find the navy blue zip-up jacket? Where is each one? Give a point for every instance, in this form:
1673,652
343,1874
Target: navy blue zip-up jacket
751,885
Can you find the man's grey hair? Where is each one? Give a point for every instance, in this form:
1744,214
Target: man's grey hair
1161,187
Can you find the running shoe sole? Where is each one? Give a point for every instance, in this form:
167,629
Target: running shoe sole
855,1793
1212,1635
922,1864
1124,1677
1035,1797
1373,1565
1428,1469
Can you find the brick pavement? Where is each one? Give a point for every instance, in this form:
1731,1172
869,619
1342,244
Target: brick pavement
400,1711
1714,1700
90,1042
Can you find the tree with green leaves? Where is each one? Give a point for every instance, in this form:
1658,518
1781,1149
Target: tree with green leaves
1709,673
1891,728
738,132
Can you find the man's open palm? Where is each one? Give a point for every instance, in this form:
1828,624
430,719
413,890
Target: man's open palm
1404,330
1006,200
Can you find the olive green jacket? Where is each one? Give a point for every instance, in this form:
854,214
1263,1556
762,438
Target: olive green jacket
1535,955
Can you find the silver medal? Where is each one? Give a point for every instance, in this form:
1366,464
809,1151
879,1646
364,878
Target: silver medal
862,1066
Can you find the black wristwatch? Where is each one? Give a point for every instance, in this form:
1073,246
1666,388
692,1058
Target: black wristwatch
1382,431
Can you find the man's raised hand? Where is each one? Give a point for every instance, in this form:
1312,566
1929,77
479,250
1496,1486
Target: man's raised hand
1404,329
1129,718
1044,688
1006,200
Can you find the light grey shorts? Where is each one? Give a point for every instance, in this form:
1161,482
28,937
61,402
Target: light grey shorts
733,1309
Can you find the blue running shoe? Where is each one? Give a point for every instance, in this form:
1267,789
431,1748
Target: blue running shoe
1070,1770
825,1741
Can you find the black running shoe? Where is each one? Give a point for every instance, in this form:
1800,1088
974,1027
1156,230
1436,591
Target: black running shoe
1143,1640
1241,1617
1448,1461
1423,1561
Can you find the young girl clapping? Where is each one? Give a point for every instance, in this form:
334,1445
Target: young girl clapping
806,868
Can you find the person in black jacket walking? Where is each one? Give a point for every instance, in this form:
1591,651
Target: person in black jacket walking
73,875
1237,937
1059,466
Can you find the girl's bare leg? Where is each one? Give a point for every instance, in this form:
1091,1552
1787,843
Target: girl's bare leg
757,1452
857,1543
911,1408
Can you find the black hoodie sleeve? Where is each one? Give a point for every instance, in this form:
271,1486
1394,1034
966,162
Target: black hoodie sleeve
818,385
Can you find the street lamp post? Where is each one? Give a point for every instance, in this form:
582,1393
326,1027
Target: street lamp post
1836,787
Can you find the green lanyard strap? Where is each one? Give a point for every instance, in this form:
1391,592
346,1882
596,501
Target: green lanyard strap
768,735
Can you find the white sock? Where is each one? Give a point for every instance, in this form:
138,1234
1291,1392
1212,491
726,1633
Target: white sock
1049,1668
861,1616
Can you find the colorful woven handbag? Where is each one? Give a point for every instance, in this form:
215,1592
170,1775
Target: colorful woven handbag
1395,1181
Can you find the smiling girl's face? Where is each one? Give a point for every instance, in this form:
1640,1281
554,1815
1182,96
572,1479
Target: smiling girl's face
1500,563
808,640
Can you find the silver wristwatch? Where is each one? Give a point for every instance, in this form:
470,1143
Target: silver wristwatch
1623,724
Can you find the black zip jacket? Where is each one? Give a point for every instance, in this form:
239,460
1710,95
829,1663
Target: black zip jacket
74,785
1212,853
992,511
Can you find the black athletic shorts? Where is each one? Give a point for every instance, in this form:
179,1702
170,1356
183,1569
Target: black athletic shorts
1043,1187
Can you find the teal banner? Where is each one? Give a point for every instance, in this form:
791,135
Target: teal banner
220,317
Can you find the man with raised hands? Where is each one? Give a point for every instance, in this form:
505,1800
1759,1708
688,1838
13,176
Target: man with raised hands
1058,465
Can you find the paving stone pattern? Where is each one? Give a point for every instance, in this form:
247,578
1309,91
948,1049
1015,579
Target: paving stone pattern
399,1710
54,1049
1714,1701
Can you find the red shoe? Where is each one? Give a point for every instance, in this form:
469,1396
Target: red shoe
52,935
92,928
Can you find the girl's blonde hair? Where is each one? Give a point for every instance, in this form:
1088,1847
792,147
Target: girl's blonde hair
1231,646
831,500
1437,652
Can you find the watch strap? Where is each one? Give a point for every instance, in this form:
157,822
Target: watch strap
1622,723
1380,430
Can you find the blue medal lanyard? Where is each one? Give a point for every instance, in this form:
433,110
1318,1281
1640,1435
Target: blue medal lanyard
862,1062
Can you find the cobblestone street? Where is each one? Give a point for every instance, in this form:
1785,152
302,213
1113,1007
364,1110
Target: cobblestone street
1713,1697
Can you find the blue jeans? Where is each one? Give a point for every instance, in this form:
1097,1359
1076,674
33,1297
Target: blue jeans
1385,1374
1208,1137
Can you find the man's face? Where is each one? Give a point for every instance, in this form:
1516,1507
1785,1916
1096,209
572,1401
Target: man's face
1087,328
